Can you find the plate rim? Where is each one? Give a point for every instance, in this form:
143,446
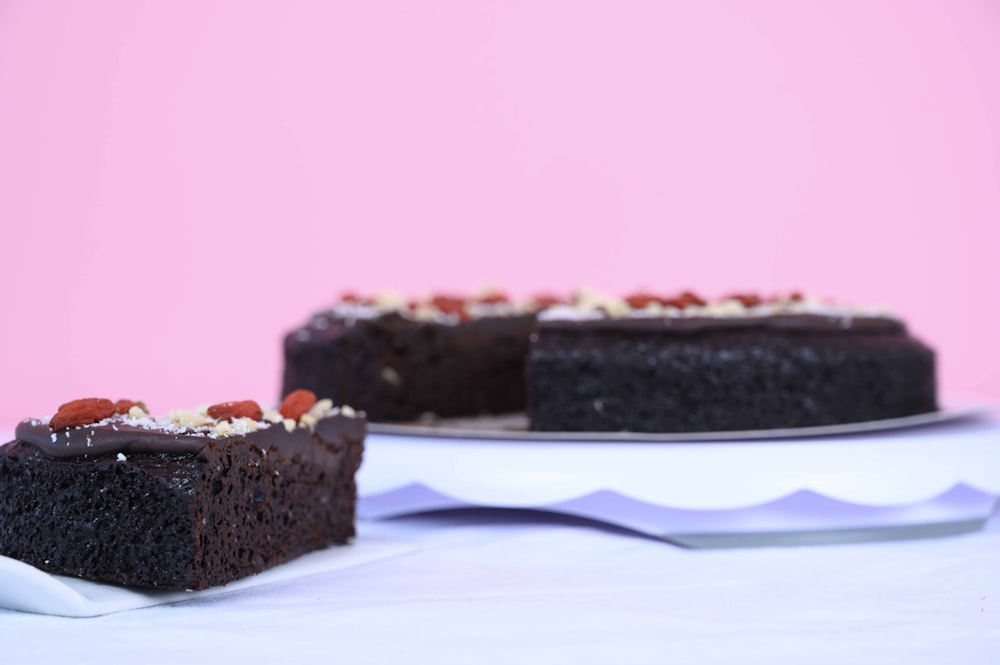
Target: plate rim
950,412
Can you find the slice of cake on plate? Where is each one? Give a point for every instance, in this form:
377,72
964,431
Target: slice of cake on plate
188,500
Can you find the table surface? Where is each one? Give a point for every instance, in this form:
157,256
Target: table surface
496,586
512,586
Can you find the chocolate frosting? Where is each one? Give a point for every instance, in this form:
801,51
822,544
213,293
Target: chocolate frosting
333,326
117,437
790,322
327,326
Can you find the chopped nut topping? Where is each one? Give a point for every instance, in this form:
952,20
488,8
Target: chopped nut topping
223,428
186,418
320,408
125,406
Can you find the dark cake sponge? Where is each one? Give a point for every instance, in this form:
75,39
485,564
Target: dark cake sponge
397,368
723,379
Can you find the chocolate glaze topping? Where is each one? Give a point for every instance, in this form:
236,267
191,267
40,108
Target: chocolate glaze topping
791,322
118,437
592,312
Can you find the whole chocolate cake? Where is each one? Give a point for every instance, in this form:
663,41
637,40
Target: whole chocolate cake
193,499
651,364
399,360
644,363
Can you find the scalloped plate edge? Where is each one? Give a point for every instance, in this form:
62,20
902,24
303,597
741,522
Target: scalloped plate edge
803,517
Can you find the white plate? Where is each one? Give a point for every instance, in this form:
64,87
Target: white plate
514,427
937,478
28,589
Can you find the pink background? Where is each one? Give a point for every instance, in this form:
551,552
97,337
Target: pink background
180,182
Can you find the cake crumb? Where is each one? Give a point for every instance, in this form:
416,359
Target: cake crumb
391,376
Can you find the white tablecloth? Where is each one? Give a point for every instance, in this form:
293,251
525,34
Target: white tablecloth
503,587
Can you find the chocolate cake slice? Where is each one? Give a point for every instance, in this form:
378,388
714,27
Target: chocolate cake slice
184,501
398,361
648,364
